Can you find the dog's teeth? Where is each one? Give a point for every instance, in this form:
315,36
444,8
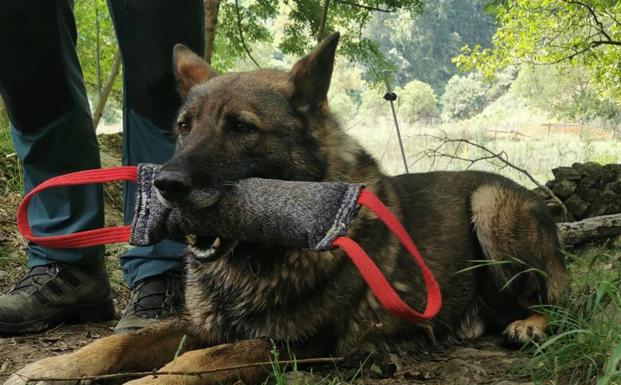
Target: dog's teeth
216,243
198,253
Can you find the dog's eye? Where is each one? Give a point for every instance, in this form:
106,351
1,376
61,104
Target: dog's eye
240,126
183,127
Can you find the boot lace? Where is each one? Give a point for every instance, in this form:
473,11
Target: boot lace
36,277
154,297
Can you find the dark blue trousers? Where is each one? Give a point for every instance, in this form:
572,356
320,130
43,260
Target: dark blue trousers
43,90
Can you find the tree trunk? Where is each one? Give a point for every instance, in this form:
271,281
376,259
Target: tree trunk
212,7
590,229
107,88
98,48
322,22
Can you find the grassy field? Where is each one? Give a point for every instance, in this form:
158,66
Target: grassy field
532,149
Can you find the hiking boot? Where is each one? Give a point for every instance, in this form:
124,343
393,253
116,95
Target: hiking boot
53,294
152,299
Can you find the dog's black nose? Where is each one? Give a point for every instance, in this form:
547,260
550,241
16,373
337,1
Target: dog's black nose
172,185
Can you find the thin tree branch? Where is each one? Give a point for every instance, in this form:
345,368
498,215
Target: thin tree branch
367,7
596,28
116,376
363,22
612,16
241,34
593,15
605,42
579,52
491,155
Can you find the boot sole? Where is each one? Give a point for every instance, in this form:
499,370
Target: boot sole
103,311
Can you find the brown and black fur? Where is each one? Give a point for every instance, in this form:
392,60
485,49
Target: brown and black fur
274,124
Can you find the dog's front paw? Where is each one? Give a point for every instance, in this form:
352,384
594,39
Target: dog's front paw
52,367
520,332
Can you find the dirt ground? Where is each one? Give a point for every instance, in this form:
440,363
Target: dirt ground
477,362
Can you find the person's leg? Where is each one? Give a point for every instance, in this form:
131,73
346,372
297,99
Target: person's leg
42,87
146,31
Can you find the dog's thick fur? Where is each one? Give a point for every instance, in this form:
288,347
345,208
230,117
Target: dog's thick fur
273,124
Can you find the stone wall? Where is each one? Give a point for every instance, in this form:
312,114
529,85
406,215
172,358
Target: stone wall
587,189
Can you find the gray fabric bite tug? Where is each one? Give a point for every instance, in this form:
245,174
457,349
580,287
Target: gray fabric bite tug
298,214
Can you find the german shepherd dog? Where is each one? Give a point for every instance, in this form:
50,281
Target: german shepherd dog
490,243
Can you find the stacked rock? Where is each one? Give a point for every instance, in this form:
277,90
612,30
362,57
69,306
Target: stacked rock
587,189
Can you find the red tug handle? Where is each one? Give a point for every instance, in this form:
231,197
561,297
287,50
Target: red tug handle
371,274
374,278
85,238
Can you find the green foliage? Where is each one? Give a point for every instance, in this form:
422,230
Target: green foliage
566,92
372,104
96,48
299,24
345,90
420,46
254,18
586,33
464,97
417,102
5,137
586,345
502,83
10,169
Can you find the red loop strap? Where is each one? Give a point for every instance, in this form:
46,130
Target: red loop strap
367,268
374,278
85,238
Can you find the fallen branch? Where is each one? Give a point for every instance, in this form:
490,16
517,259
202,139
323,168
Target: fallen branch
503,157
116,376
590,229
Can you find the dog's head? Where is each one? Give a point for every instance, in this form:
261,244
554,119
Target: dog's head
250,124
233,126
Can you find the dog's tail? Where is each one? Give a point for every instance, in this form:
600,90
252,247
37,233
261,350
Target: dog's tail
521,243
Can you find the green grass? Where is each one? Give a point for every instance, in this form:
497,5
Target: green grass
12,259
10,171
585,347
537,154
289,373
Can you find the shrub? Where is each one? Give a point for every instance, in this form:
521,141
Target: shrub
417,102
464,97
372,104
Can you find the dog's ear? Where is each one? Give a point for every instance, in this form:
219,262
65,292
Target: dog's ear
189,69
311,75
